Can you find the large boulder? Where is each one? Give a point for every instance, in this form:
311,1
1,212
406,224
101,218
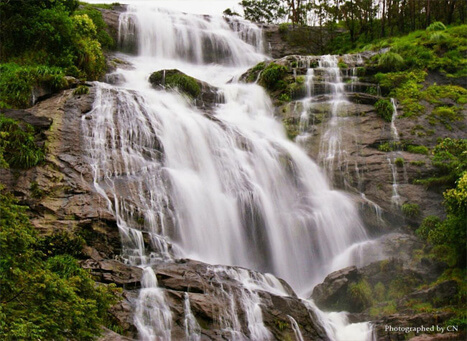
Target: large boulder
333,293
203,94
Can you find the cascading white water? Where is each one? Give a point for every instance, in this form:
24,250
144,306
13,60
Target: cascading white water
395,198
228,189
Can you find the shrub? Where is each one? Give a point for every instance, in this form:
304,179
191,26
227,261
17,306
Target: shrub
417,149
438,37
17,146
284,27
81,90
44,299
428,224
411,210
399,162
436,26
272,75
391,61
384,109
17,82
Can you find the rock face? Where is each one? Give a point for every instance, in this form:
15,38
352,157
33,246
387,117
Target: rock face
287,40
217,297
333,293
360,164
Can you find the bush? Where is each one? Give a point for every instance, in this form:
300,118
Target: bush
384,109
391,61
17,146
436,26
399,162
17,82
411,210
417,149
272,75
428,224
44,298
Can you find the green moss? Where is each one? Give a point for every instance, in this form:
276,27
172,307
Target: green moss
342,65
291,128
386,308
410,210
417,163
36,191
361,294
379,292
390,146
446,115
253,72
176,80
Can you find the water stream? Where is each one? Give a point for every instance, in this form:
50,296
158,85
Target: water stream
224,187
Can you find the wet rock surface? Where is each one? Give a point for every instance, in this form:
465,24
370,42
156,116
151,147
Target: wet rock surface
213,291
362,166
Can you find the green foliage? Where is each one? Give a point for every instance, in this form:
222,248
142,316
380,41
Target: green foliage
272,75
399,162
447,114
379,292
253,75
361,294
436,26
263,11
386,308
50,33
102,36
17,146
417,149
410,210
59,244
17,82
390,146
390,61
81,90
435,93
384,109
428,224
44,298
450,160
284,27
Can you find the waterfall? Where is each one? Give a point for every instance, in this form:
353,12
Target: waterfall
225,187
395,198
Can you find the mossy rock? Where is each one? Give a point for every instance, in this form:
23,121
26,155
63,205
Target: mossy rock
176,79
203,94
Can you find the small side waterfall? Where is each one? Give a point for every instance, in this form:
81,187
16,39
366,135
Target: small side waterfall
226,187
392,157
152,317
